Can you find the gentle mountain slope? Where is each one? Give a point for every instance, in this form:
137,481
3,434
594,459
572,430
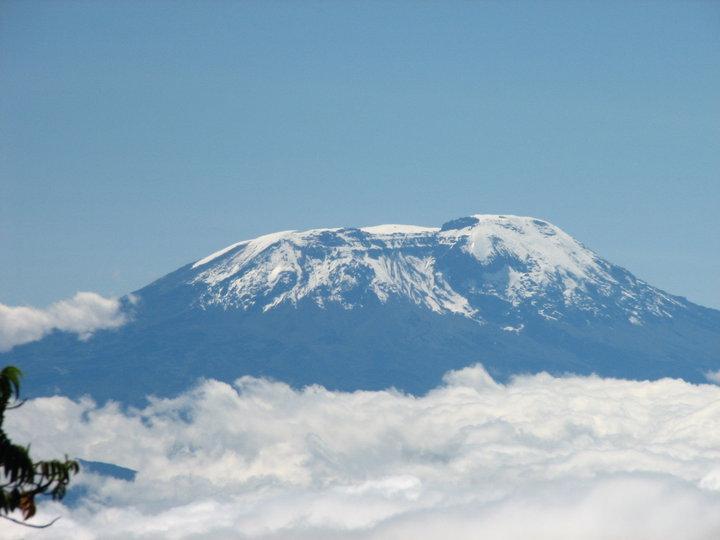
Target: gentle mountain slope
392,305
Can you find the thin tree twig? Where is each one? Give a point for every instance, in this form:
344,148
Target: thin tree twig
30,524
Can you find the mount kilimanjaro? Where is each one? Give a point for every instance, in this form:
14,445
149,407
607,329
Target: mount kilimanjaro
385,306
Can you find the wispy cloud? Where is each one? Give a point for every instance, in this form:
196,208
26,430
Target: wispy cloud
82,314
541,457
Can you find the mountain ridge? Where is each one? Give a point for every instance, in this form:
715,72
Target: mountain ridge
536,252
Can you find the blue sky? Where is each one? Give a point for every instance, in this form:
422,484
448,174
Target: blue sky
138,136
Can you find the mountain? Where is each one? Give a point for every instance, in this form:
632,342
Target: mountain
391,305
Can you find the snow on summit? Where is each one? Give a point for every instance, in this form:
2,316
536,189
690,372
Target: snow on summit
532,240
522,261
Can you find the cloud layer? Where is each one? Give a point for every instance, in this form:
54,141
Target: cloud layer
541,457
82,314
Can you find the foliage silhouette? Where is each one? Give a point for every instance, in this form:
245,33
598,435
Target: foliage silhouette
21,478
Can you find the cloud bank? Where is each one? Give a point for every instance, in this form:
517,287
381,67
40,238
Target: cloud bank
541,457
82,314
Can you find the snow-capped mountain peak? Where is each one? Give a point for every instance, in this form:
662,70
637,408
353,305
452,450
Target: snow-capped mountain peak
531,240
525,262
387,306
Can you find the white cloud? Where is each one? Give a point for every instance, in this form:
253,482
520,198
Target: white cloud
542,458
82,314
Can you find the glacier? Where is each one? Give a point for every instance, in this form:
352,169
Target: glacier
516,259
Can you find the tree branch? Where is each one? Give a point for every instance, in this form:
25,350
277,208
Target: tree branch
45,526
